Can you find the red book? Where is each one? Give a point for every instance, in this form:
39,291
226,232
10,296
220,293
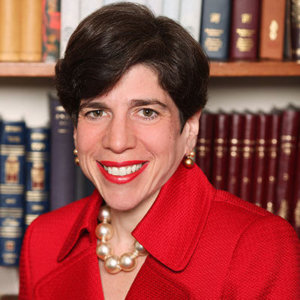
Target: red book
294,217
272,29
248,144
51,30
272,151
244,29
220,150
234,156
205,143
260,160
287,159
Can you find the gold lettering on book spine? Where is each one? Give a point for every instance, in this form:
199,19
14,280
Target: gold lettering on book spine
283,210
12,168
273,30
297,214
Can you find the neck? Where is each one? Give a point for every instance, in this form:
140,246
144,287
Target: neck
124,223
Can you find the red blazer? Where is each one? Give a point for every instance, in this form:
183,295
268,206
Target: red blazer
202,244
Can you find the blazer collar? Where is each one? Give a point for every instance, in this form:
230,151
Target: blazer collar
171,229
85,222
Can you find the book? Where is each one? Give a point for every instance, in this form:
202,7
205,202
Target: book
62,166
272,29
220,150
215,28
12,185
156,6
294,211
287,159
70,16
295,29
272,151
37,173
235,137
190,17
171,9
50,30
287,46
204,146
244,29
88,7
260,160
10,30
247,156
31,30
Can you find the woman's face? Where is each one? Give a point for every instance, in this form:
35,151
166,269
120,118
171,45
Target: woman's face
128,140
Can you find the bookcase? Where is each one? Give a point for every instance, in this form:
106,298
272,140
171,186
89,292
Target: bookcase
233,86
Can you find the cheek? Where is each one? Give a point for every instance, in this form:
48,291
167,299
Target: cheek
86,138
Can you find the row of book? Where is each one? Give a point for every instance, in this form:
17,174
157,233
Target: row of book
31,161
255,156
251,30
38,30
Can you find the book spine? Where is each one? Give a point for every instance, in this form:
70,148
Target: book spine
234,158
247,163
62,167
171,9
287,159
88,7
156,6
12,184
259,182
272,151
295,29
294,213
220,151
31,30
272,29
244,29
70,16
37,173
190,17
10,30
287,48
205,143
50,30
215,28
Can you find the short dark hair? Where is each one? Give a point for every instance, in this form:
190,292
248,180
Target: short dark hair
116,37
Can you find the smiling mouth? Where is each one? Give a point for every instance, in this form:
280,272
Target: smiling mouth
121,172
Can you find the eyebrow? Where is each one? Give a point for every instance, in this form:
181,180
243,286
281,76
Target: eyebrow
133,103
146,102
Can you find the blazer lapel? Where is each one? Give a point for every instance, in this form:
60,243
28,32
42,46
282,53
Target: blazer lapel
76,278
153,282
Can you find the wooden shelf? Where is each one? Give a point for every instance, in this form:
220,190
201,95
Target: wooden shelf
255,69
218,69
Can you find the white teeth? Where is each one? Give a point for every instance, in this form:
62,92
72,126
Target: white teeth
123,170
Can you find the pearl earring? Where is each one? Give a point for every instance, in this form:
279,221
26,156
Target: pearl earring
189,160
76,159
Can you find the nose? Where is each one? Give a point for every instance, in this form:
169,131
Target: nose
119,135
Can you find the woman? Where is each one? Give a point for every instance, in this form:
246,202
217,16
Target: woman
154,228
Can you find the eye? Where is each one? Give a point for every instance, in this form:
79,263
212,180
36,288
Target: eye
148,113
94,114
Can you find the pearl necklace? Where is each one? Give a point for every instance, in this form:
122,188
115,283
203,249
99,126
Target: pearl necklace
113,263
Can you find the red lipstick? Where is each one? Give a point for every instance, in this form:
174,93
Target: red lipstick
117,178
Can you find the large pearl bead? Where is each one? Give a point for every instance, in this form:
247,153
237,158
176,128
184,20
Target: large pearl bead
189,163
104,214
104,230
103,250
111,264
127,263
141,250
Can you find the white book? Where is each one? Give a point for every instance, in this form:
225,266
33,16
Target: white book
190,17
171,9
156,6
86,7
69,21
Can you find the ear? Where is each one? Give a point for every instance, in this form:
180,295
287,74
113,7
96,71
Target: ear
192,127
75,136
